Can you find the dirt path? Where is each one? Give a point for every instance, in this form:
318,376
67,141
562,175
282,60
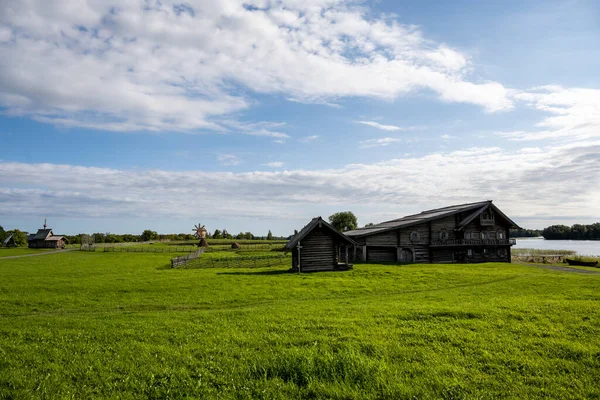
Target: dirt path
37,254
563,269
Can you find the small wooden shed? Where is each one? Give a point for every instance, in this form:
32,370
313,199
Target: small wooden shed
320,247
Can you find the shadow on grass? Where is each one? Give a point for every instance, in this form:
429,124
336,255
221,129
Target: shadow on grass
276,272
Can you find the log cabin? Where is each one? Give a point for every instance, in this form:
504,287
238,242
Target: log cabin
44,238
320,247
466,233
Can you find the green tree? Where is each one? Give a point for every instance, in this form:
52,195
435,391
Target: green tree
369,224
269,235
148,235
19,237
130,238
343,221
113,238
3,234
248,235
99,237
217,234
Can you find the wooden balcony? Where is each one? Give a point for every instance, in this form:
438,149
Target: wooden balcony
474,242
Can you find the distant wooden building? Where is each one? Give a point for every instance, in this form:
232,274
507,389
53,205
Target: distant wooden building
44,238
474,232
320,247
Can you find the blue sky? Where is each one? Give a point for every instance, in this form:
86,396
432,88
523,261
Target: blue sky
259,115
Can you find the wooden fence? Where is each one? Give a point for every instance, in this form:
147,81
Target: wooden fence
234,262
126,249
544,259
184,260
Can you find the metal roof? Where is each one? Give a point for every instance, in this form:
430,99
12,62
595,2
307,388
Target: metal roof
309,227
426,216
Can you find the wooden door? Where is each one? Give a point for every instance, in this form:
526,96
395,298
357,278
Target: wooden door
406,256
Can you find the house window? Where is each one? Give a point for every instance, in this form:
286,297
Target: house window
502,252
486,253
443,235
500,235
483,235
467,235
470,252
414,236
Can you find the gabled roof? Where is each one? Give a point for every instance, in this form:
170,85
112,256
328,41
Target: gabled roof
312,225
55,238
41,234
430,215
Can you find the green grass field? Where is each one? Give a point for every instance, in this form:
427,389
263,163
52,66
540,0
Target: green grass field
125,325
19,251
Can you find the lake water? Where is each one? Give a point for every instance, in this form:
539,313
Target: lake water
582,247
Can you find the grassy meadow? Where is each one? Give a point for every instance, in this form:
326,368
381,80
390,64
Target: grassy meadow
20,251
125,325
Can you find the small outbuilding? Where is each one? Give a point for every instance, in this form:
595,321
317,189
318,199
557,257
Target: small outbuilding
45,238
320,247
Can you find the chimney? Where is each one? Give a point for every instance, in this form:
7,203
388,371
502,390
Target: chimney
44,223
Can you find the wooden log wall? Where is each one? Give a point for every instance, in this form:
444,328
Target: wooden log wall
423,230
383,239
317,252
448,223
381,254
443,255
421,254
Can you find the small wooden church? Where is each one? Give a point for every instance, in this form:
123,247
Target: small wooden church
45,238
320,247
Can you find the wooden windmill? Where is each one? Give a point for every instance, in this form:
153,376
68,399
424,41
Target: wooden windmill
200,234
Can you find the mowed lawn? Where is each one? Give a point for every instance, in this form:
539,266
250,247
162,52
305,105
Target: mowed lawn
19,251
123,325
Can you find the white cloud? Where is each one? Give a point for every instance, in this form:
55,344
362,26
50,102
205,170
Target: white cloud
309,139
274,164
574,114
228,159
446,137
266,129
381,126
378,142
141,65
526,183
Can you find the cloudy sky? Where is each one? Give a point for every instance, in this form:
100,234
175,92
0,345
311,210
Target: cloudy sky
254,115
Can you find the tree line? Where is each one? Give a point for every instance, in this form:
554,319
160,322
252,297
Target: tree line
147,235
561,232
521,233
574,232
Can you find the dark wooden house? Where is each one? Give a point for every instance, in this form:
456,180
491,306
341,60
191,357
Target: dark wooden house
44,238
320,247
474,232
